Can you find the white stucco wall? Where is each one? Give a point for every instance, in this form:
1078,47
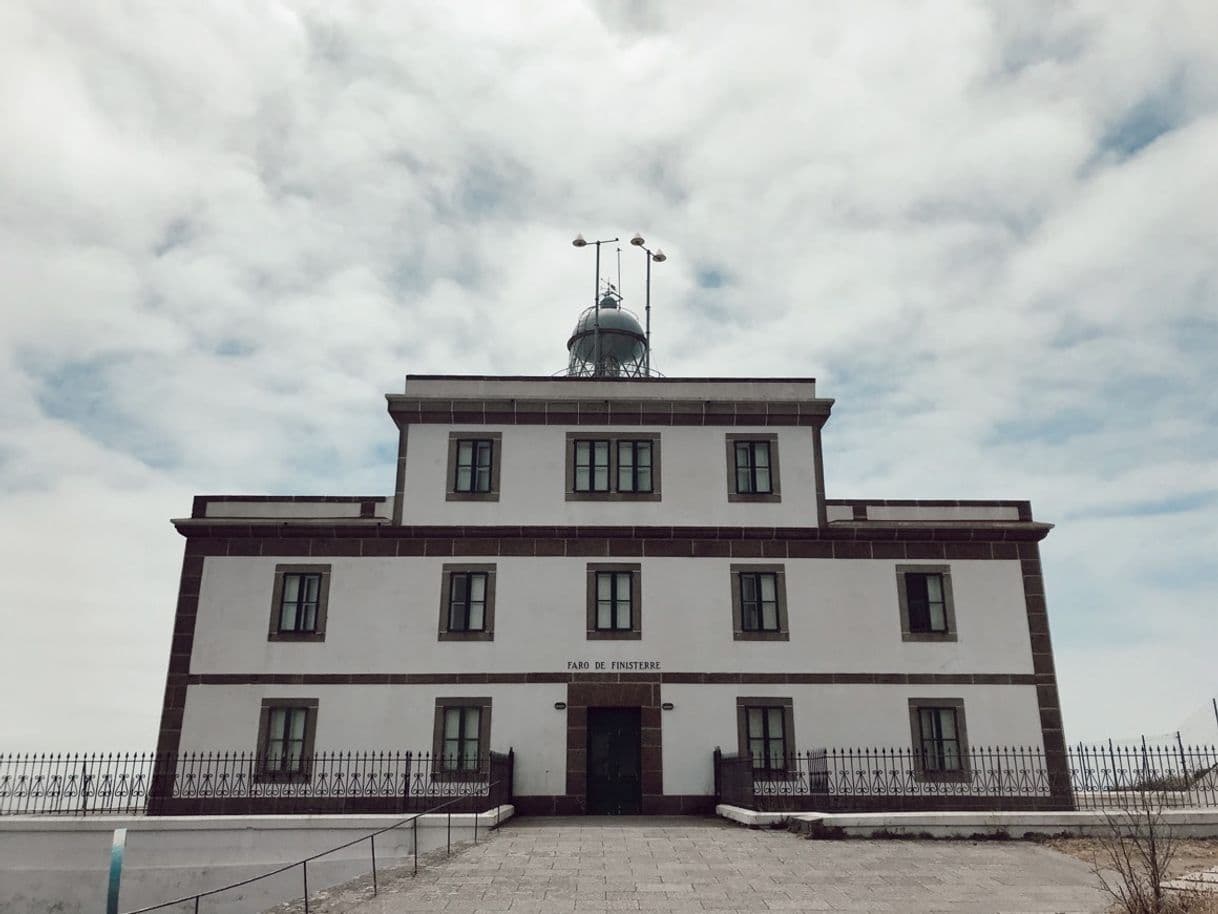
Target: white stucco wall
524,718
704,716
500,388
383,616
533,479
351,718
290,510
942,512
384,612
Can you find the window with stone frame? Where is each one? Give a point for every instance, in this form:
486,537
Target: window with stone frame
286,731
752,468
474,460
766,730
467,602
300,603
614,602
924,596
461,742
613,467
759,603
939,738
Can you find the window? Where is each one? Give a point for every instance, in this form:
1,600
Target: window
634,466
614,602
752,468
924,594
591,466
299,602
286,728
766,732
759,603
467,603
461,745
473,466
940,748
613,467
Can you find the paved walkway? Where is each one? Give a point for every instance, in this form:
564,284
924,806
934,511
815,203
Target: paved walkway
551,865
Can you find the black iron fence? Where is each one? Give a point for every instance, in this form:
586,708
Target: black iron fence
997,778
238,783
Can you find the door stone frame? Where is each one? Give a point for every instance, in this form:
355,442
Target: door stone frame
625,690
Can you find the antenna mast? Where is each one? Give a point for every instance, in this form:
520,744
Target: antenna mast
659,257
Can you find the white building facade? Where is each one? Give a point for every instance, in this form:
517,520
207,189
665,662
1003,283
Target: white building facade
613,577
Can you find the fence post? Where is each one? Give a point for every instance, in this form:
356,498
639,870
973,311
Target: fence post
304,867
372,841
415,841
450,833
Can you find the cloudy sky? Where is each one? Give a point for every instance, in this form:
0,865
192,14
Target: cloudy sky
990,231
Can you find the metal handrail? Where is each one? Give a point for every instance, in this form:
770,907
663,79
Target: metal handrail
304,863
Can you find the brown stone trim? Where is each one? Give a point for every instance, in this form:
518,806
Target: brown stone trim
323,603
173,706
945,531
399,484
407,410
635,570
818,468
949,605
642,691
284,541
719,678
310,734
775,493
613,494
199,505
1053,735
450,486
487,632
484,737
780,587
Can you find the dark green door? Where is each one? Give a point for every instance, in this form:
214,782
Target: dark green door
615,783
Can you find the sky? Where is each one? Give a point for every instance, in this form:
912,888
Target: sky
990,231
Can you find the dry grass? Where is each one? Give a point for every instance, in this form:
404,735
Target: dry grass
1192,854
1189,856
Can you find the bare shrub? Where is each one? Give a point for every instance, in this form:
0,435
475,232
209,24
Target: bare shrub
1135,853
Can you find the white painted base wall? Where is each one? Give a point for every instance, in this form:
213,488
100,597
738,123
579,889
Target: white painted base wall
1190,823
62,864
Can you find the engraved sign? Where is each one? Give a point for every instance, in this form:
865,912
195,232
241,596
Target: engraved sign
613,666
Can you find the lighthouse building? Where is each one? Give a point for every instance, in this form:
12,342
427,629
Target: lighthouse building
613,574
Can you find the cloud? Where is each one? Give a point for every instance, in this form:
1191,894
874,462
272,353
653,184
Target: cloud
229,230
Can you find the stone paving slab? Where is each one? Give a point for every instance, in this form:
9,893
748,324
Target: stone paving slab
587,866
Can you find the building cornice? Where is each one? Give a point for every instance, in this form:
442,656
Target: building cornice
574,410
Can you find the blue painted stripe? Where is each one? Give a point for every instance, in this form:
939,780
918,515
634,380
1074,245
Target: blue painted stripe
116,869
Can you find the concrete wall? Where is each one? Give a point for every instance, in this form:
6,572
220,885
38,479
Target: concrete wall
62,864
533,479
384,614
